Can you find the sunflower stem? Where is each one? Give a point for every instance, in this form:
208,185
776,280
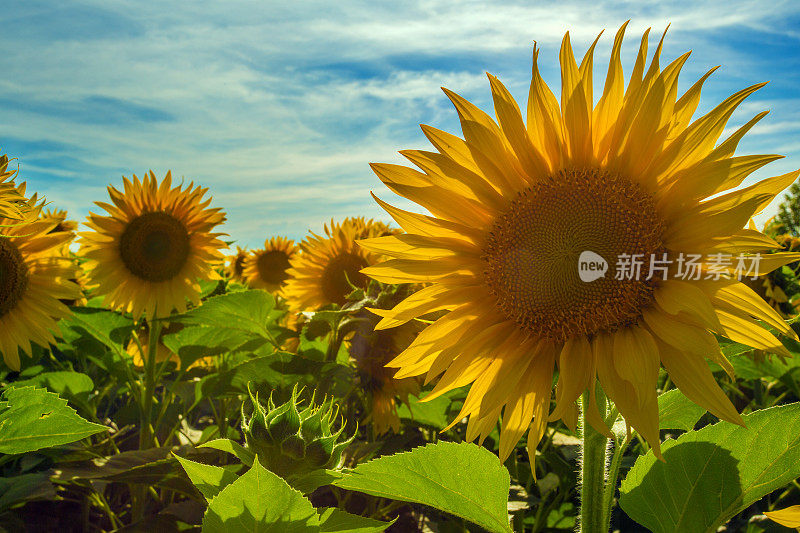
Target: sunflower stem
594,457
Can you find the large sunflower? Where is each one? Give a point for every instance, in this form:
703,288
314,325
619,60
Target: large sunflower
515,204
267,268
157,242
32,280
327,267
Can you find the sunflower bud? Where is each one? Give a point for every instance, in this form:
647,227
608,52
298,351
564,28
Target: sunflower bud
291,441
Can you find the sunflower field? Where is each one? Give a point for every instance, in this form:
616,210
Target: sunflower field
580,328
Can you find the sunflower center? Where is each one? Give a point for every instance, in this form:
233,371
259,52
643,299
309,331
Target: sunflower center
339,274
556,227
155,246
13,275
272,266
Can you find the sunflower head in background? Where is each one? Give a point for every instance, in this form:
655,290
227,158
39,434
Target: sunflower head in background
267,268
328,266
14,205
517,202
60,217
33,278
147,255
235,265
370,351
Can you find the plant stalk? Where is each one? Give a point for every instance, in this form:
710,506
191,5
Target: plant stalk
594,451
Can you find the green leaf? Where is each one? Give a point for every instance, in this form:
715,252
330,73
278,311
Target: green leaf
276,371
227,445
111,328
250,311
209,480
193,343
435,413
66,383
712,474
335,520
260,501
462,479
32,419
676,411
25,488
308,483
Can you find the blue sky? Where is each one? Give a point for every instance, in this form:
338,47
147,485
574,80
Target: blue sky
279,107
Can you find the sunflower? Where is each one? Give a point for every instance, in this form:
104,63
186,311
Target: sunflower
371,350
235,267
517,205
327,268
157,242
32,280
267,268
14,206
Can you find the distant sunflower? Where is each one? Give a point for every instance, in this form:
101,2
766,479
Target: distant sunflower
327,268
371,350
235,268
157,242
514,205
267,268
60,217
14,206
32,280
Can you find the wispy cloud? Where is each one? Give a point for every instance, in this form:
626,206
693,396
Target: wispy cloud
278,108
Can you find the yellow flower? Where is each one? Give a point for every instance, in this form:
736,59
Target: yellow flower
515,204
371,350
235,267
157,242
267,268
789,517
14,206
327,268
32,280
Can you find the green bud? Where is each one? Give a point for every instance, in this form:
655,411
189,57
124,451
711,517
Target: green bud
292,440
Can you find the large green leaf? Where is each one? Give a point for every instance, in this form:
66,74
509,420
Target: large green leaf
260,501
676,411
210,480
32,419
110,328
250,311
193,343
710,475
462,479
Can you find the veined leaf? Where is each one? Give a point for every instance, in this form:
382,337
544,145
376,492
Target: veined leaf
676,411
260,501
210,480
462,479
32,419
710,475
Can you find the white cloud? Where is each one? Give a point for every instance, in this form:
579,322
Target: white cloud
278,108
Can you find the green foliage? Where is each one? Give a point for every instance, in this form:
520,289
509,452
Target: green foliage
676,411
462,479
789,211
32,419
711,474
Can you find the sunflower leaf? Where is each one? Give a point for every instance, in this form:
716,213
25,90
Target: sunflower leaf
260,501
676,411
32,419
461,479
710,475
